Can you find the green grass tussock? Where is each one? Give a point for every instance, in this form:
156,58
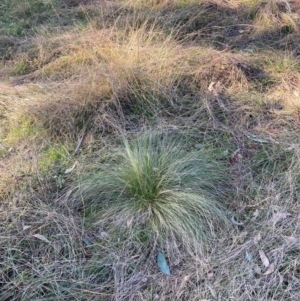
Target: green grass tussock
155,183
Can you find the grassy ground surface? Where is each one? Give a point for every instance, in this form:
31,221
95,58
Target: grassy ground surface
135,128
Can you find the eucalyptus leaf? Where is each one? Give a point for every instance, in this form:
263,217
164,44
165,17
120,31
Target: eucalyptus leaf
249,256
162,264
87,241
233,220
41,237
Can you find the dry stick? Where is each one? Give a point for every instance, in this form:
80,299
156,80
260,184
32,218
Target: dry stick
85,132
80,142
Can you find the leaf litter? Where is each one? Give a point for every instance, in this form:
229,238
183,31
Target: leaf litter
264,258
42,238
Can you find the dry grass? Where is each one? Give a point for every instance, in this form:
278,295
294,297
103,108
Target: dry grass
224,74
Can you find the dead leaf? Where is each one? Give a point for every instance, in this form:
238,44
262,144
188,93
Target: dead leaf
249,256
270,270
236,222
264,258
41,237
26,227
255,215
211,87
257,238
162,264
87,241
71,169
57,246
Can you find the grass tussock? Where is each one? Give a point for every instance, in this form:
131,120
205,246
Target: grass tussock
127,71
154,185
275,15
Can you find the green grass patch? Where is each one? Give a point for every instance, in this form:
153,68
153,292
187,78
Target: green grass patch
20,17
21,128
51,156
